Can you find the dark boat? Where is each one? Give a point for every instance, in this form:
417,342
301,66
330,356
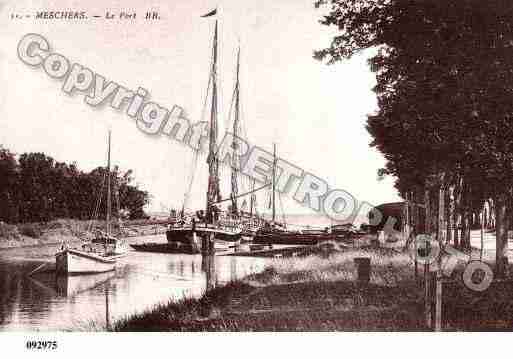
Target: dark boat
279,236
182,247
275,233
174,247
185,234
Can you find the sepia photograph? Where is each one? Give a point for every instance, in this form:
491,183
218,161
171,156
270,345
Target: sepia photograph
334,166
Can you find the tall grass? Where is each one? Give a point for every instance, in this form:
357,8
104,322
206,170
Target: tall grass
317,292
175,314
388,267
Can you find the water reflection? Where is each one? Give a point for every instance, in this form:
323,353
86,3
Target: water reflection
44,302
107,313
208,266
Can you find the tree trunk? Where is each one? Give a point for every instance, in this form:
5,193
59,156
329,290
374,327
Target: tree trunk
458,208
501,234
491,214
449,214
477,221
465,229
427,276
481,234
427,219
406,223
464,222
441,228
433,203
485,215
465,217
457,221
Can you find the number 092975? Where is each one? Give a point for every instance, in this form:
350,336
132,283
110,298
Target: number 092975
41,345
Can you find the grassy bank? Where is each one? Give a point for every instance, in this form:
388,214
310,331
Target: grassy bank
314,293
67,230
318,292
31,234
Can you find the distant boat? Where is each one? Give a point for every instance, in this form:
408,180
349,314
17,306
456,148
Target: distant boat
101,254
185,234
277,233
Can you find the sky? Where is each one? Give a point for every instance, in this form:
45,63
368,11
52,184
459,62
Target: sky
315,113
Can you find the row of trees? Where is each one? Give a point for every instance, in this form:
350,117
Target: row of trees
445,95
36,188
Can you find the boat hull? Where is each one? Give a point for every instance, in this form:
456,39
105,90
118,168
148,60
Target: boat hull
72,261
294,238
175,247
184,235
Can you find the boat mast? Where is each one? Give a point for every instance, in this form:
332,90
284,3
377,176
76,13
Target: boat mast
213,194
274,183
115,189
235,189
108,187
252,198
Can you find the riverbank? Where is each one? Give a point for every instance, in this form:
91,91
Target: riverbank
319,292
68,231
313,293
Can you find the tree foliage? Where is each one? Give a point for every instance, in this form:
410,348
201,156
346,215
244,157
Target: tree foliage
444,89
36,188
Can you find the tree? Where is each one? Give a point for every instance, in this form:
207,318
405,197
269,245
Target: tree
36,188
444,86
8,186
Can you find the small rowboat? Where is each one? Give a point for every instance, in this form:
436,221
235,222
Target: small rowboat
72,261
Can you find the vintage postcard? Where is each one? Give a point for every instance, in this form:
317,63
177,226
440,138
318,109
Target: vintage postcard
255,166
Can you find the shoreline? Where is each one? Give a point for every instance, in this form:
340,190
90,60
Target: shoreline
319,292
316,292
34,235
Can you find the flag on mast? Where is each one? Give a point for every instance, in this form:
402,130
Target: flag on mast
211,13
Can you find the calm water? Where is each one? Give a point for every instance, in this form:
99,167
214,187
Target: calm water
44,302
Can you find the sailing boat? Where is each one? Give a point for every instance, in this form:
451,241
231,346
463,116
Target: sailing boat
249,221
207,225
276,233
103,241
98,256
205,228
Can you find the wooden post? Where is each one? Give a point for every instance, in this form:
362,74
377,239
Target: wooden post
363,269
441,217
416,229
107,313
416,249
409,228
211,244
482,234
407,216
440,238
501,240
427,281
194,238
438,301
456,215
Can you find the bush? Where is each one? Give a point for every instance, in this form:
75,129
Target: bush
8,231
30,230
